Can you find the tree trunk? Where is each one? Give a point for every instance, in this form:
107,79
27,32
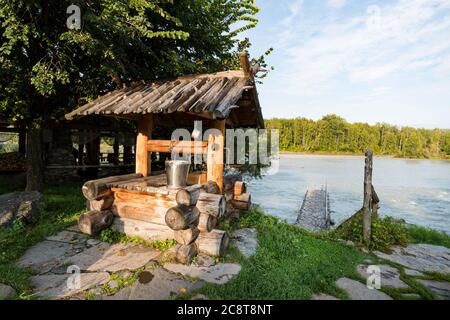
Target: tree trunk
182,217
99,205
35,171
189,195
242,202
187,236
212,204
95,189
367,206
145,230
239,188
93,222
186,253
210,187
213,243
206,222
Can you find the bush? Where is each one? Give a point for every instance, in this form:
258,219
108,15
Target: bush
386,232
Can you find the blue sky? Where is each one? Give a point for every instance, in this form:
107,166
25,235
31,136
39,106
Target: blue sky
368,61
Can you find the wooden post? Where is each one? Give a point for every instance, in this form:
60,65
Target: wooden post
145,126
215,158
245,64
367,206
116,149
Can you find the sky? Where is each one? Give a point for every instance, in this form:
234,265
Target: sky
367,61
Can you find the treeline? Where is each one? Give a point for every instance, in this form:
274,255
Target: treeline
335,135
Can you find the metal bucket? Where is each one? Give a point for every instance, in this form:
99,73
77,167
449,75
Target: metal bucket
177,172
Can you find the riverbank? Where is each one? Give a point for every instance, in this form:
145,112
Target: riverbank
355,155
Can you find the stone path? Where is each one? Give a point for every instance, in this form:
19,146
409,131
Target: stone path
6,291
421,257
314,213
390,277
97,266
358,291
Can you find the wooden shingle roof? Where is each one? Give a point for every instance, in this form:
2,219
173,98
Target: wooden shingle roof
217,94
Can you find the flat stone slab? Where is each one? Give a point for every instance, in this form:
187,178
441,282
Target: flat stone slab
163,286
113,258
219,274
46,255
413,273
56,287
323,296
421,257
68,237
390,277
358,291
441,288
246,241
6,291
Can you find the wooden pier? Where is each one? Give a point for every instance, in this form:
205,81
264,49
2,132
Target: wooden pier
315,211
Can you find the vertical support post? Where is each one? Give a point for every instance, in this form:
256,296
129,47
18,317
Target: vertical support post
116,148
22,140
143,160
367,206
215,163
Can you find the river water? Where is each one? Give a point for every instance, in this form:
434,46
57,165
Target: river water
417,191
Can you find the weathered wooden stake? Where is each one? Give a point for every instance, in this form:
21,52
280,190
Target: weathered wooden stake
367,206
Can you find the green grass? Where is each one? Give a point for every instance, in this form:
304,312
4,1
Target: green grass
65,203
290,264
419,234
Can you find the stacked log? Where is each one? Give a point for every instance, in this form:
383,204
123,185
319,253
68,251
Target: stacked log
213,243
97,189
93,222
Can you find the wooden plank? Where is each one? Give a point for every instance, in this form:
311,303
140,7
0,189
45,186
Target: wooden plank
145,127
198,177
168,146
144,230
215,155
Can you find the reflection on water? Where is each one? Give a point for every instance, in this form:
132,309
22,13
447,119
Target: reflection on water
415,190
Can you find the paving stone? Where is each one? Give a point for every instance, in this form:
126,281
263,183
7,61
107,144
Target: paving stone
323,296
246,241
421,257
113,284
358,291
74,228
56,287
199,297
6,291
123,294
413,273
68,237
93,242
113,258
219,274
205,261
46,255
390,277
441,288
163,286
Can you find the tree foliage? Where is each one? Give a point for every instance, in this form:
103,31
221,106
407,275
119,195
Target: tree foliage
47,69
333,134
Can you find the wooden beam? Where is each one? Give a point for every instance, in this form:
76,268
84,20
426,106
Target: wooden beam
143,162
167,146
245,64
215,157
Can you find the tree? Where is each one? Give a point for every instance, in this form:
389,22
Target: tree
47,69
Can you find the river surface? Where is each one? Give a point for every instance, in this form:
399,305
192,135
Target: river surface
417,191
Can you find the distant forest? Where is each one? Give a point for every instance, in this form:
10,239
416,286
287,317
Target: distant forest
333,134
